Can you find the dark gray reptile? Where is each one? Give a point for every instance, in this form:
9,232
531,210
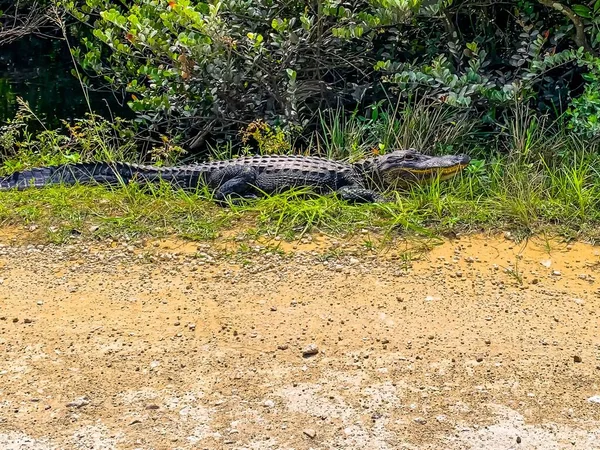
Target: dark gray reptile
247,177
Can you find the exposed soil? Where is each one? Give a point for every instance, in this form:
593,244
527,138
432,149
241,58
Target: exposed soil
480,343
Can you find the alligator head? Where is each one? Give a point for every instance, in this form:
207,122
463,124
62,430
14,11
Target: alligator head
401,168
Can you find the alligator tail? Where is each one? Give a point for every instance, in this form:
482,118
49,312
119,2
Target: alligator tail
98,173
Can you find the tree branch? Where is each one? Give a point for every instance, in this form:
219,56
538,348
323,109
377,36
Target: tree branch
580,38
23,23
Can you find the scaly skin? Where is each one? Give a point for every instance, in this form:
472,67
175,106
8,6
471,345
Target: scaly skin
248,177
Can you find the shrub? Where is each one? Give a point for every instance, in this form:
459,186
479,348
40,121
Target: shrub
199,70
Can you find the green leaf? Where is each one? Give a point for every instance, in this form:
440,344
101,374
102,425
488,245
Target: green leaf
291,74
597,6
582,11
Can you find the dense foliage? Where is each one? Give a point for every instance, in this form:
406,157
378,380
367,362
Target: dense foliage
194,70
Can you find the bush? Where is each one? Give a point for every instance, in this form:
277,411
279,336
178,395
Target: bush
198,70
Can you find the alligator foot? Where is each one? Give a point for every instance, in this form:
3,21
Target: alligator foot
233,182
235,200
356,194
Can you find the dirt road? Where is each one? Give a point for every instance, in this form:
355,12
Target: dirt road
481,343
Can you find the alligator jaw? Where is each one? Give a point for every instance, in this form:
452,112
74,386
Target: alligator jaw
405,167
424,175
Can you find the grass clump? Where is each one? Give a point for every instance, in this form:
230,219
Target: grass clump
530,177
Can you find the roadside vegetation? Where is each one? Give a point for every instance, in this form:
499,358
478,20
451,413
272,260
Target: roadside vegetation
515,85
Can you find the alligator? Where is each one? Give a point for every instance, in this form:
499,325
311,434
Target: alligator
248,177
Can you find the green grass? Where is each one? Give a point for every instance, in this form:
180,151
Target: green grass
500,195
528,177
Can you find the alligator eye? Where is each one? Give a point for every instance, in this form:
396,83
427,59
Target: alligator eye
409,157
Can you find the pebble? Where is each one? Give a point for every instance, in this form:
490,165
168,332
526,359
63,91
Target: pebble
283,347
577,358
152,407
556,273
310,350
420,420
78,403
269,404
594,399
518,439
310,433
27,321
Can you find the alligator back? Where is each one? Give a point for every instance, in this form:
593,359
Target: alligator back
278,168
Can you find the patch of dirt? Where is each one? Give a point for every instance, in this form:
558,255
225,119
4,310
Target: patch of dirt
479,343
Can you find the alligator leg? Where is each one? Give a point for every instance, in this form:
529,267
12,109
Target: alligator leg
357,194
233,181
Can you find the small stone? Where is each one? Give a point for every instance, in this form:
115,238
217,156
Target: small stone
310,433
283,347
273,308
310,350
27,321
94,228
479,358
79,402
488,342
577,358
420,420
40,303
518,439
594,399
556,273
269,404
15,320
152,407
133,422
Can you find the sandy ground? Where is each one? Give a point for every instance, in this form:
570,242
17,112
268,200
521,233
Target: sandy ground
480,343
